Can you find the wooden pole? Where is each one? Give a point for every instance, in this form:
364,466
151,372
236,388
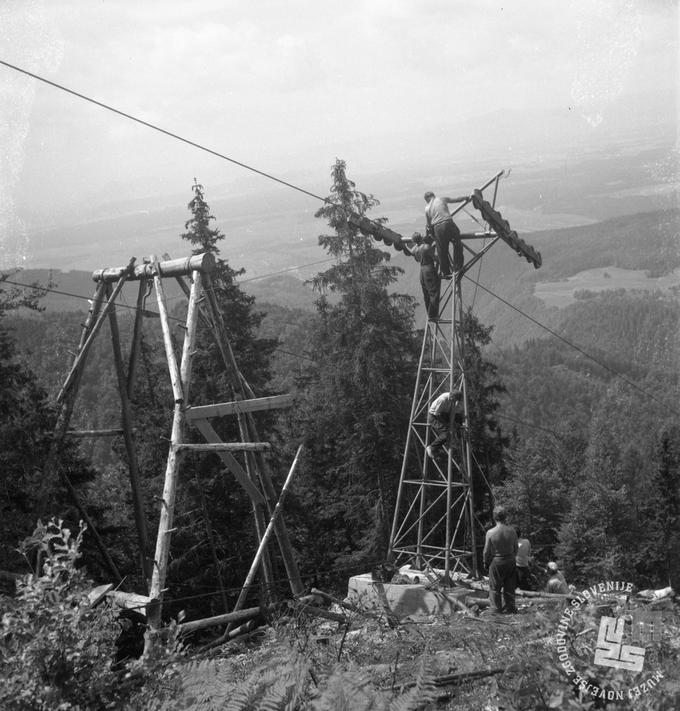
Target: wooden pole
85,347
204,263
136,337
65,411
224,446
282,537
81,434
267,534
222,341
130,448
228,618
170,487
228,459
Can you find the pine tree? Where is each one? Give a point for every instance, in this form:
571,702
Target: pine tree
209,498
240,318
26,423
354,396
659,559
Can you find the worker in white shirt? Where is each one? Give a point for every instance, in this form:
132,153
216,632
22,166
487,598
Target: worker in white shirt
438,217
439,417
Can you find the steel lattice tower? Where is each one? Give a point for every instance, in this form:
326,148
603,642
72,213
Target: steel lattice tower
435,525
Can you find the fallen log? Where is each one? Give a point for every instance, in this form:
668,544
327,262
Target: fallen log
453,679
316,611
206,622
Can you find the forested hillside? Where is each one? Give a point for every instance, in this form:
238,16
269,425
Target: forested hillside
575,418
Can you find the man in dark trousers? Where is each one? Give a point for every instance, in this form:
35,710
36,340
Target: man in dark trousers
423,252
439,417
500,552
445,230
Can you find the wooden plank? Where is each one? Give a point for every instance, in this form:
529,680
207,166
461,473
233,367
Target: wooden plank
224,446
240,406
94,433
206,429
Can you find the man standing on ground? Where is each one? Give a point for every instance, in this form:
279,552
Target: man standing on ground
445,230
500,552
522,561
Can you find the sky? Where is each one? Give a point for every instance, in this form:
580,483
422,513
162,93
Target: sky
286,86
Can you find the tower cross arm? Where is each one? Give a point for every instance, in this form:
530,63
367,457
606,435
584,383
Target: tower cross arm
376,230
501,227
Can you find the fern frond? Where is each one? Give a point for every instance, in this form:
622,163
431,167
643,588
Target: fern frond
424,691
349,691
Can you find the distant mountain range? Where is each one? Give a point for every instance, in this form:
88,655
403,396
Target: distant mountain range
639,251
589,197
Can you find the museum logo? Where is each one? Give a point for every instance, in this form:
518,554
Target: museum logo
603,628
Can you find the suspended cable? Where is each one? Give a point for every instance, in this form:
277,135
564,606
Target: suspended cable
580,350
269,176
284,271
123,305
176,136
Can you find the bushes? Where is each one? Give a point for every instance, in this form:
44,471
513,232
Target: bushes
56,651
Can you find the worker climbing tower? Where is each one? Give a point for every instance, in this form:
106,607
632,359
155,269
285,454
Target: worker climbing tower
435,525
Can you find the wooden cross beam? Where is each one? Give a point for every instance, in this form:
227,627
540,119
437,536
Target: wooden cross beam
237,407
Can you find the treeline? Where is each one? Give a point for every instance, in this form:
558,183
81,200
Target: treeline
583,444
595,468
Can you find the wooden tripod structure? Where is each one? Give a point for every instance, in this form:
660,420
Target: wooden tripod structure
253,475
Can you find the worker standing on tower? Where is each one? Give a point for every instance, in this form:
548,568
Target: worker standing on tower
423,252
438,217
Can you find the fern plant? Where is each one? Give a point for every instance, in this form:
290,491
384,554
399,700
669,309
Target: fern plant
276,685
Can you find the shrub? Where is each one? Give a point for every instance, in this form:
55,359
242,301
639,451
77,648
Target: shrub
56,651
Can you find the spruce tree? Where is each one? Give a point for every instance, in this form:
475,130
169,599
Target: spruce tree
26,422
354,394
211,506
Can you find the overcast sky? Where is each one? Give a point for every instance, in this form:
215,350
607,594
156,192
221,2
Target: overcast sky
280,85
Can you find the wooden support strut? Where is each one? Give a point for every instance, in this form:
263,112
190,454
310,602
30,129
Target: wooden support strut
136,337
282,537
211,316
223,446
93,330
206,429
267,534
239,406
180,391
222,341
65,402
130,448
